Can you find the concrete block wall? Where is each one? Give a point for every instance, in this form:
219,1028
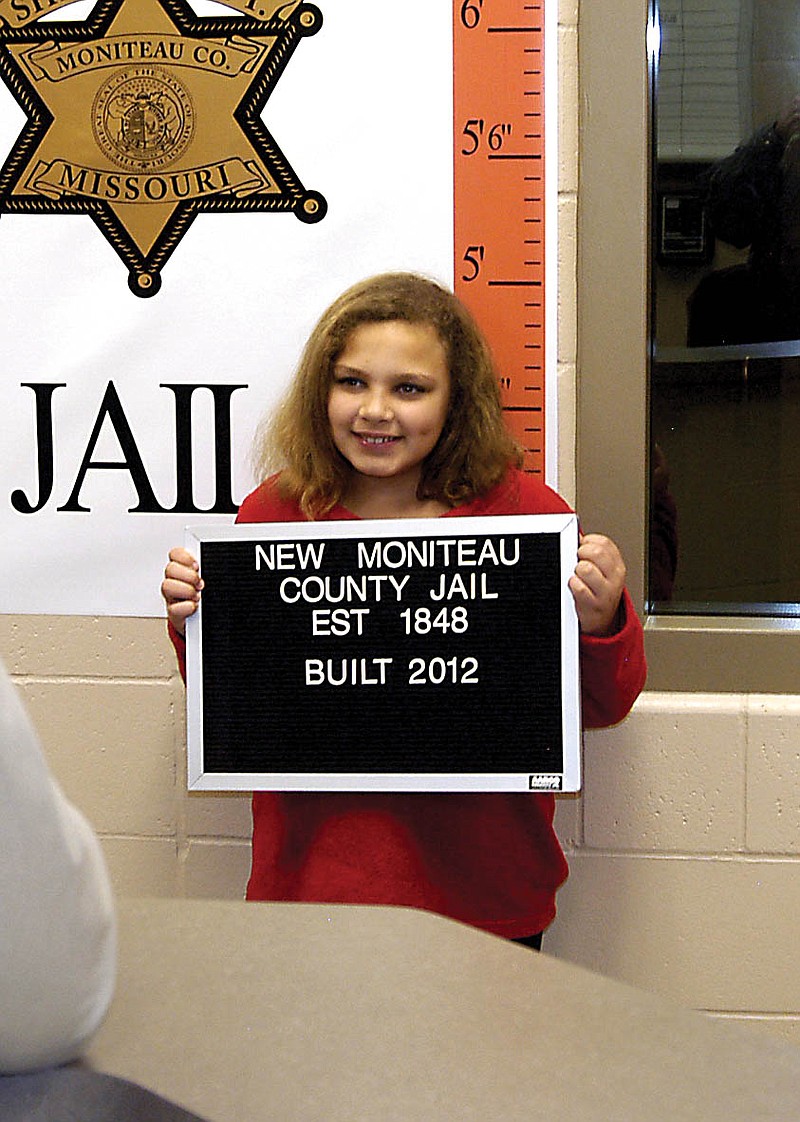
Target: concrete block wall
109,705
685,855
684,849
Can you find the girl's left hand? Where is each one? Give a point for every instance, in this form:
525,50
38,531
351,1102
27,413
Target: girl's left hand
597,584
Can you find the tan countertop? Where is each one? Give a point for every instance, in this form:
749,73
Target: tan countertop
244,1012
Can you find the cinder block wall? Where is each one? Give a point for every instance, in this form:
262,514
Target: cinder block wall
109,705
683,852
684,848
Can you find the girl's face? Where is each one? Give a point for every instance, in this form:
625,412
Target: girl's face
389,398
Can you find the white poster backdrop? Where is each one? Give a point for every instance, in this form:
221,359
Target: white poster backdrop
364,115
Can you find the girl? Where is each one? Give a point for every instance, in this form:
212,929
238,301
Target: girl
395,413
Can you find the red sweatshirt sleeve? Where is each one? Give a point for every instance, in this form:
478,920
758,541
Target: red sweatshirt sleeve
613,671
179,643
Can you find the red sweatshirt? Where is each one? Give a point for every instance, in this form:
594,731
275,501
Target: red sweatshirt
492,860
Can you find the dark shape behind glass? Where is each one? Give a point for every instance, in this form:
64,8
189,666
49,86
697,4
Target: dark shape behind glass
725,375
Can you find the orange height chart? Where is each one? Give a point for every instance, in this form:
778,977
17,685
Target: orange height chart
505,195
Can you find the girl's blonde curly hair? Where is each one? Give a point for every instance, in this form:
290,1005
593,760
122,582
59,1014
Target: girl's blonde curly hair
474,449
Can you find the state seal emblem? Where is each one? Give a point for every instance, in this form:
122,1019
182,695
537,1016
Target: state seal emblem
145,114
142,118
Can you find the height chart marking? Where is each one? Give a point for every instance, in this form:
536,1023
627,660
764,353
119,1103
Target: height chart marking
502,252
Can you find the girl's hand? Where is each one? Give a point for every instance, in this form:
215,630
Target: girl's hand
597,584
181,587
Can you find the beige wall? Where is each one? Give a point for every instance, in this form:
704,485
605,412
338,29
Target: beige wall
109,704
684,849
684,852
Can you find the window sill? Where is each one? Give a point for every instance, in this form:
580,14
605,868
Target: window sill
716,654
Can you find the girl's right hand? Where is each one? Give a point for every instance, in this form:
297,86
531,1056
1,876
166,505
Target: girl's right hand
181,587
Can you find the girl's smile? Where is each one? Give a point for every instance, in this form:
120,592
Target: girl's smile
389,400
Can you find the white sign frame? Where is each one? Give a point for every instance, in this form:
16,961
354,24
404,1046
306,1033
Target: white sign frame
566,778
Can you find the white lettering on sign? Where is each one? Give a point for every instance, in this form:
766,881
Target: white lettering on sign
436,551
336,589
346,671
468,588
337,621
289,555
319,594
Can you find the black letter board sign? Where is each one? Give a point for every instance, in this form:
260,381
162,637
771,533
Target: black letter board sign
396,655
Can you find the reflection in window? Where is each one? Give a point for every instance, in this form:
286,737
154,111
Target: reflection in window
725,377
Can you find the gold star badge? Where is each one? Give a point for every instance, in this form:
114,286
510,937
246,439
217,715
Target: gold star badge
146,114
